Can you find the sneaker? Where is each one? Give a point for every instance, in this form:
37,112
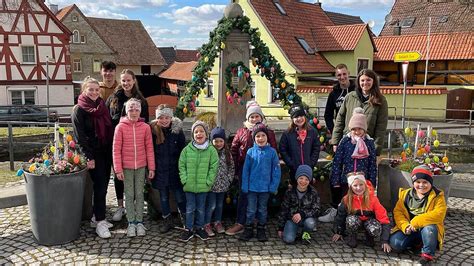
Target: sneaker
306,237
102,229
201,233
93,223
261,234
186,235
352,240
247,234
328,216
141,229
369,240
131,230
235,229
425,259
219,228
208,230
118,214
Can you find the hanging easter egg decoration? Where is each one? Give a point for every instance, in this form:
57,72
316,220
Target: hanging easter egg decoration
19,172
185,110
69,154
32,168
194,78
62,131
68,138
427,160
427,148
322,178
197,102
206,59
45,156
315,120
407,131
445,159
222,45
421,134
318,126
408,151
267,64
257,70
72,144
283,85
434,133
436,143
52,149
405,146
436,159
76,159
321,139
208,74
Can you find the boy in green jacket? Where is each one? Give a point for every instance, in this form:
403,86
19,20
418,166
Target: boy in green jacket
197,170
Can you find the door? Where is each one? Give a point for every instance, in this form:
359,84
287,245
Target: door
460,99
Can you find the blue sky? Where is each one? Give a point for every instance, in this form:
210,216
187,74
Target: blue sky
186,23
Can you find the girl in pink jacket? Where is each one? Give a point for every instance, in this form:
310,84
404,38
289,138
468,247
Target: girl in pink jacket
132,152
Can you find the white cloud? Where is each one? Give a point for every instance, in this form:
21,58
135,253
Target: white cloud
182,43
158,2
201,30
356,4
157,31
173,5
92,10
204,15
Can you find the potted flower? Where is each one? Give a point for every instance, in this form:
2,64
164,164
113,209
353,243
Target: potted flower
422,151
55,182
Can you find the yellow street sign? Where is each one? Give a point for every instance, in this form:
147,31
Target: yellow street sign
412,56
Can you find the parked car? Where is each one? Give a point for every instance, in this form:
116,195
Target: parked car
27,113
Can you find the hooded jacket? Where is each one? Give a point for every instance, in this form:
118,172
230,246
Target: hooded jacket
261,172
133,147
374,210
377,119
334,102
434,214
118,110
167,155
198,168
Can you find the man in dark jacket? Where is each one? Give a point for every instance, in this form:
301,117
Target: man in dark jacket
337,95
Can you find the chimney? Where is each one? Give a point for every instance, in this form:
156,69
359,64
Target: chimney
317,3
53,8
397,30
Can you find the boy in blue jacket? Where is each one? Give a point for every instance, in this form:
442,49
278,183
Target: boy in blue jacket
260,177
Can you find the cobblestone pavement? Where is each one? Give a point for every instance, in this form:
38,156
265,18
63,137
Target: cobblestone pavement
17,245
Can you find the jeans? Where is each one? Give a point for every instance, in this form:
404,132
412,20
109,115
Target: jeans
291,229
100,176
214,205
134,180
165,200
195,210
257,205
119,188
428,236
241,205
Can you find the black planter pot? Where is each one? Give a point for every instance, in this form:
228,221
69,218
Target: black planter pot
55,204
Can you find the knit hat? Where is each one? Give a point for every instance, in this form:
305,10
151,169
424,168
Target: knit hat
133,104
297,110
259,127
218,132
202,124
165,111
304,170
354,176
253,108
358,119
422,172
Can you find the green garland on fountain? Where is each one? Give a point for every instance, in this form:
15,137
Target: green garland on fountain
266,65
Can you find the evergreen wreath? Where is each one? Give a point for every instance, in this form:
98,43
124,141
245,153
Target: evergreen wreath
266,65
241,71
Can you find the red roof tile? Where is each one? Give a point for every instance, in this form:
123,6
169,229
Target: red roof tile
343,19
179,71
186,55
443,46
64,11
300,18
383,89
459,16
338,38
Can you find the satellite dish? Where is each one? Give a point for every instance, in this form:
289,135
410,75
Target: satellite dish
371,23
388,18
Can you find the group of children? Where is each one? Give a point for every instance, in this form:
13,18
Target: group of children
201,172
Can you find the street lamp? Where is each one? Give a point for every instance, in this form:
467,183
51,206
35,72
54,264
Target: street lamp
47,86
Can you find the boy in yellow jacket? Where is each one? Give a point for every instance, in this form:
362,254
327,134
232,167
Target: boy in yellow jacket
419,216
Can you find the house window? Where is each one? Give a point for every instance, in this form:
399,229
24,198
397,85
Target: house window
443,19
22,97
279,7
407,22
28,54
210,88
75,36
83,39
362,64
77,65
305,46
253,90
74,18
96,65
146,69
273,94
